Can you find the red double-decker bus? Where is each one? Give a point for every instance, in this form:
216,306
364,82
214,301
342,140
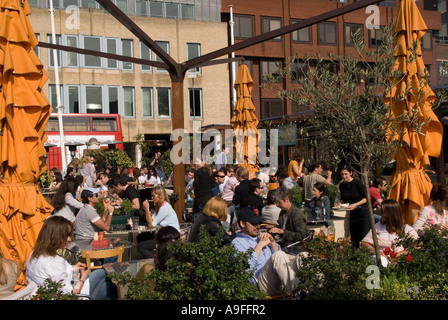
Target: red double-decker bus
81,127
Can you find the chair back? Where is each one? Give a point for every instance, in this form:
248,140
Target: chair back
185,228
102,254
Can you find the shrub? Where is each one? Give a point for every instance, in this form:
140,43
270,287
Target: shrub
207,270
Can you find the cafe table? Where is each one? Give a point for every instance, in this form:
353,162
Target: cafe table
128,235
76,246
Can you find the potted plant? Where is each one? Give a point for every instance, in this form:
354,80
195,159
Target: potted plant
297,195
333,193
121,214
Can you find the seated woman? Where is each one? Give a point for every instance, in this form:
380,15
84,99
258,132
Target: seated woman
436,212
389,228
45,263
153,178
164,236
9,272
211,217
64,202
319,200
163,216
57,181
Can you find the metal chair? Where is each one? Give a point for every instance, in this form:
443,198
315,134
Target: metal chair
102,254
185,228
299,246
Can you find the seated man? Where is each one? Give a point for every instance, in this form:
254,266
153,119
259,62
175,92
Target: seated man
253,199
292,221
88,221
379,186
274,273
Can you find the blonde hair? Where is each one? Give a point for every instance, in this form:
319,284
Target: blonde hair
242,172
217,208
161,193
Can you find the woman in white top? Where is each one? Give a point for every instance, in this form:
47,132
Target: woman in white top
87,170
436,212
46,263
163,217
64,200
389,228
153,178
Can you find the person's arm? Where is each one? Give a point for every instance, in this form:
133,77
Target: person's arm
300,230
328,180
148,215
105,222
265,240
298,169
70,200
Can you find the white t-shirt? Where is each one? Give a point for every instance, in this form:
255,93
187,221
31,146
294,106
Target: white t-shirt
55,268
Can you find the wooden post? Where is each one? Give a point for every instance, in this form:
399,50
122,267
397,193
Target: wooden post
177,117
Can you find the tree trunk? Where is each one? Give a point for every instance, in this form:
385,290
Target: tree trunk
365,178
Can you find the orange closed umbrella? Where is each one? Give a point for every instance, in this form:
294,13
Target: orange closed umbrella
411,96
244,122
24,112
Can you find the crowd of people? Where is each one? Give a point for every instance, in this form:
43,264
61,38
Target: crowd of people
256,211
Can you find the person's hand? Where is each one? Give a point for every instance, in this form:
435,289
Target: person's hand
84,274
145,204
265,239
81,265
443,226
276,230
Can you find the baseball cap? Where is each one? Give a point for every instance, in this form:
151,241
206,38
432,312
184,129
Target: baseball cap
251,215
89,192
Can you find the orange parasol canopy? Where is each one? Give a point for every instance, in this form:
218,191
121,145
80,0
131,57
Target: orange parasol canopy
411,95
244,122
24,112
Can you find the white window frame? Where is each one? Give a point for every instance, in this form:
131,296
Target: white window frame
83,108
66,54
169,103
121,104
200,103
151,100
122,63
117,51
156,58
144,46
83,61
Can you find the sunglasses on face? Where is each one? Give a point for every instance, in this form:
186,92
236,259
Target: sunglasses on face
221,176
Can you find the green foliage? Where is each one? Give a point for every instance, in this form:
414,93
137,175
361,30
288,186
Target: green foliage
332,271
332,191
167,164
207,270
116,157
297,194
125,207
52,291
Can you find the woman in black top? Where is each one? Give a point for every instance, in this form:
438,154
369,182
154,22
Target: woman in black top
203,184
214,213
353,192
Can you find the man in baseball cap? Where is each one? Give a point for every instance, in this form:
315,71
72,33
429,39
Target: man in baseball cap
90,193
274,273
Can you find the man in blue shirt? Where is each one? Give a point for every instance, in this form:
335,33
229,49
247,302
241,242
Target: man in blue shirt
274,273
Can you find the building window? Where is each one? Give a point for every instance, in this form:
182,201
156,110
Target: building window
172,10
94,99
427,41
113,99
349,31
145,53
92,43
388,3
71,57
165,45
375,37
299,69
147,102
50,51
163,102
88,4
442,67
112,48
156,9
56,4
122,5
187,11
297,107
127,51
67,3
326,33
302,35
73,99
270,70
195,102
270,24
244,26
52,94
193,51
128,102
34,3
141,8
431,5
37,48
271,108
